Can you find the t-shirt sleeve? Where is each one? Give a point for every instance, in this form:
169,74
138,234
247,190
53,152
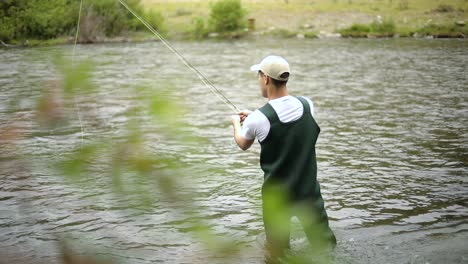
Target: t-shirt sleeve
248,128
256,125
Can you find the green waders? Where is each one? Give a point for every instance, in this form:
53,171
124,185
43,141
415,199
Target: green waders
290,185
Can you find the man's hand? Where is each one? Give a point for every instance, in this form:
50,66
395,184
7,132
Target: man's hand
243,115
236,121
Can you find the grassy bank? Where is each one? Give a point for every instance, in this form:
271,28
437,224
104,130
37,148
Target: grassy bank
190,19
310,17
139,36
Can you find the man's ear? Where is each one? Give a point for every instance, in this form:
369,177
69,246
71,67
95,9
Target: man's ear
267,79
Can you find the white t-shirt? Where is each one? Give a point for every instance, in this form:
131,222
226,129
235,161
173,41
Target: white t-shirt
288,108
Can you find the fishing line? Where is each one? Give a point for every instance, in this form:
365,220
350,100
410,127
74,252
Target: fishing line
207,82
77,30
73,63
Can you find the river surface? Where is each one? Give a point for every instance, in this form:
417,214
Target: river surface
392,154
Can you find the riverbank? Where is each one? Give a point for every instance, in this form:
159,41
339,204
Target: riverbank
326,18
131,37
301,19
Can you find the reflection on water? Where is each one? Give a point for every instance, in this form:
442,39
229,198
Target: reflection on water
392,153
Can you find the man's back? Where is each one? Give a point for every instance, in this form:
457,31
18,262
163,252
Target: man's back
288,108
288,153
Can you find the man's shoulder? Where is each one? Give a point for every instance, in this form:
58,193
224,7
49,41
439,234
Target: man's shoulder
256,116
307,100
263,108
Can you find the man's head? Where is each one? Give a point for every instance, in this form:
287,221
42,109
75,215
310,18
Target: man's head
272,71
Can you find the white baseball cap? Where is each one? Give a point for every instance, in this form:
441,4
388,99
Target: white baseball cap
273,66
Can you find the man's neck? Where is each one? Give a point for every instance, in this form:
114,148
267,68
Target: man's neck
276,93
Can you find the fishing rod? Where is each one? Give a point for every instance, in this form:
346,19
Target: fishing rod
205,80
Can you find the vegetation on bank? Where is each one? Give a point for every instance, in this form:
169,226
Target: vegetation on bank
226,19
55,21
379,28
389,29
21,19
40,21
443,31
305,18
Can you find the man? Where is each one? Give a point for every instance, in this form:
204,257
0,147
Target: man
287,133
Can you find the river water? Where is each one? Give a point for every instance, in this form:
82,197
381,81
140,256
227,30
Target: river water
392,154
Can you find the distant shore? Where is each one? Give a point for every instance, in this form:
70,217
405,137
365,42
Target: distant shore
302,19
328,18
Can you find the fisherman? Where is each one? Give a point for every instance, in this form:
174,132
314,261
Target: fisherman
287,133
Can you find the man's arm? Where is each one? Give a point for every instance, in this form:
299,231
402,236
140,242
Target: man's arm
243,143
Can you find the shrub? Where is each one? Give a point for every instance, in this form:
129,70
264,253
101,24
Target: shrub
49,19
227,16
41,19
115,18
36,18
7,29
199,29
155,19
91,26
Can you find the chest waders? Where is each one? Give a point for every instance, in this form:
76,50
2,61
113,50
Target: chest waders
290,185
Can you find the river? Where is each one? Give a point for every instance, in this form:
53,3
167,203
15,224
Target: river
392,153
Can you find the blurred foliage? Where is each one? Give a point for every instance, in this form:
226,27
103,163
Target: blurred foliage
134,172
37,19
227,16
76,76
128,156
127,164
